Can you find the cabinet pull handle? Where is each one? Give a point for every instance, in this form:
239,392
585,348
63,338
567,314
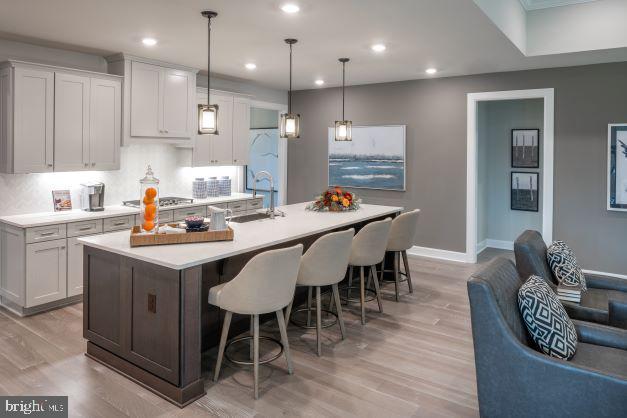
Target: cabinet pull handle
93,164
49,165
47,234
119,223
63,248
85,228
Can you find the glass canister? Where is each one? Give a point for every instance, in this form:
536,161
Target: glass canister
149,202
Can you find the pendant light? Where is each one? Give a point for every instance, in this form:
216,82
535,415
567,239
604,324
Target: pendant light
208,114
290,122
343,128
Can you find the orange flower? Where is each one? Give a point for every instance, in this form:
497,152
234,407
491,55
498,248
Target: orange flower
338,190
346,202
335,198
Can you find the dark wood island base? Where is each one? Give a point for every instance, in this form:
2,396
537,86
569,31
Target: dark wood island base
151,323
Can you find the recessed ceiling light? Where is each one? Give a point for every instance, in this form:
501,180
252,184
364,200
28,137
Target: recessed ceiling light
378,47
251,66
149,41
290,8
431,71
319,82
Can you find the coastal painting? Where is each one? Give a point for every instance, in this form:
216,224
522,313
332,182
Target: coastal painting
617,167
374,159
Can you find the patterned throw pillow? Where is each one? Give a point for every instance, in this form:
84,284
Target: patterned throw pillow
546,319
564,264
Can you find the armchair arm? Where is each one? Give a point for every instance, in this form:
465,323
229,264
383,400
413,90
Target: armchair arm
605,282
591,333
617,311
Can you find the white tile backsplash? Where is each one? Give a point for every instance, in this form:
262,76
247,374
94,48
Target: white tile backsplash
29,193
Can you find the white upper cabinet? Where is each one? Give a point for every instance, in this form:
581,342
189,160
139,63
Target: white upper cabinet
29,148
58,119
71,122
158,99
241,130
230,145
105,125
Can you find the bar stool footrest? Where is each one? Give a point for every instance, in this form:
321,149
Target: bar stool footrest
248,338
348,299
303,324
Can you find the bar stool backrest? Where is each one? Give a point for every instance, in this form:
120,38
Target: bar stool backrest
403,231
265,284
325,262
368,247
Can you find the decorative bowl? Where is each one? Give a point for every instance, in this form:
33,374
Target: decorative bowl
194,222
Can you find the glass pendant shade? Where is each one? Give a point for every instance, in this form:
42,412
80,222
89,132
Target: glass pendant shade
207,119
343,130
290,126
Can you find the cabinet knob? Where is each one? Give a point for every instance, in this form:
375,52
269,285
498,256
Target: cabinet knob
49,165
166,131
93,164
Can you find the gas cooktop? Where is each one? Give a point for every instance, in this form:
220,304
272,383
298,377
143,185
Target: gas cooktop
163,201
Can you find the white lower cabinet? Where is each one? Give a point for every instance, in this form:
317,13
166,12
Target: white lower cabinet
74,267
46,272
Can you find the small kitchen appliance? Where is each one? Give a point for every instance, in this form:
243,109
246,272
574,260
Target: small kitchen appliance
92,196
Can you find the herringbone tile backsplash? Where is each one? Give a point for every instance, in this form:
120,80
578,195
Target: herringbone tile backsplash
30,193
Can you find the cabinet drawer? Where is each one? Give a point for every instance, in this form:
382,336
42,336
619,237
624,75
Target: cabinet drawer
238,206
218,205
45,233
165,216
180,214
254,204
77,229
118,223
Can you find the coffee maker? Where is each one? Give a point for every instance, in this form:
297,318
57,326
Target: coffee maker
92,196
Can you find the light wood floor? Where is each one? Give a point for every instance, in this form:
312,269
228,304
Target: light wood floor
416,359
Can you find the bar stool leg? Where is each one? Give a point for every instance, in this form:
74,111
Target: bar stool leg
362,295
288,312
340,316
256,354
309,290
225,334
318,321
284,341
397,268
350,283
408,274
252,333
373,272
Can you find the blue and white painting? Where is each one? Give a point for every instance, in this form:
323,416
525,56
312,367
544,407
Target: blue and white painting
264,155
374,159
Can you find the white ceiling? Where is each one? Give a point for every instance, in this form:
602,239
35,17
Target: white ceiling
452,35
545,4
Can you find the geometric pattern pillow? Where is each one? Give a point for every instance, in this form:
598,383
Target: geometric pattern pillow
546,319
564,264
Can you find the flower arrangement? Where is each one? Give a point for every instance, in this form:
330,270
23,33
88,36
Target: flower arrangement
335,200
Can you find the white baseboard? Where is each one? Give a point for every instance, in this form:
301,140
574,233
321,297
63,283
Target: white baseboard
502,245
482,246
438,254
602,273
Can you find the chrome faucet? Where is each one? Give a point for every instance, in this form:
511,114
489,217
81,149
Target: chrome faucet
260,175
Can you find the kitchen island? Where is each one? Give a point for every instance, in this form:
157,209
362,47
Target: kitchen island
146,310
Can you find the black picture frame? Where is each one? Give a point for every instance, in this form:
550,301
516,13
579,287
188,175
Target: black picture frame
523,198
534,162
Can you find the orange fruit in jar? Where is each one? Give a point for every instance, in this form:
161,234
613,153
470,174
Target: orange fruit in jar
151,193
148,201
150,211
148,225
149,217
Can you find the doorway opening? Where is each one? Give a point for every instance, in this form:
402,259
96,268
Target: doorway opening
509,168
267,152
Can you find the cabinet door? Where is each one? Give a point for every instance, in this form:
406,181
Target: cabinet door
105,124
74,267
12,264
222,144
33,121
146,100
46,272
177,97
71,122
241,131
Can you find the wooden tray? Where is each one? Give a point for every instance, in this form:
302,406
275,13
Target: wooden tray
138,240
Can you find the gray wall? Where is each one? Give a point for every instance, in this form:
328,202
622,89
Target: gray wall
587,98
263,118
496,121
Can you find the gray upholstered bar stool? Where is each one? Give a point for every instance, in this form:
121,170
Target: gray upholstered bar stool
265,284
324,264
368,250
401,239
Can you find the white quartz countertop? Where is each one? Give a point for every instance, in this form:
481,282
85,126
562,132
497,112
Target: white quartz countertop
250,236
50,218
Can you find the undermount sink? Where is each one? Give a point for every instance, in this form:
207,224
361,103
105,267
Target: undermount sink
250,218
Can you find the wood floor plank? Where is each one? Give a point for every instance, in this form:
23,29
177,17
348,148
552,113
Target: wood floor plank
416,359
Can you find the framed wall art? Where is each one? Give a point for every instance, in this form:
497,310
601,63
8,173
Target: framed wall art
617,167
524,191
525,148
